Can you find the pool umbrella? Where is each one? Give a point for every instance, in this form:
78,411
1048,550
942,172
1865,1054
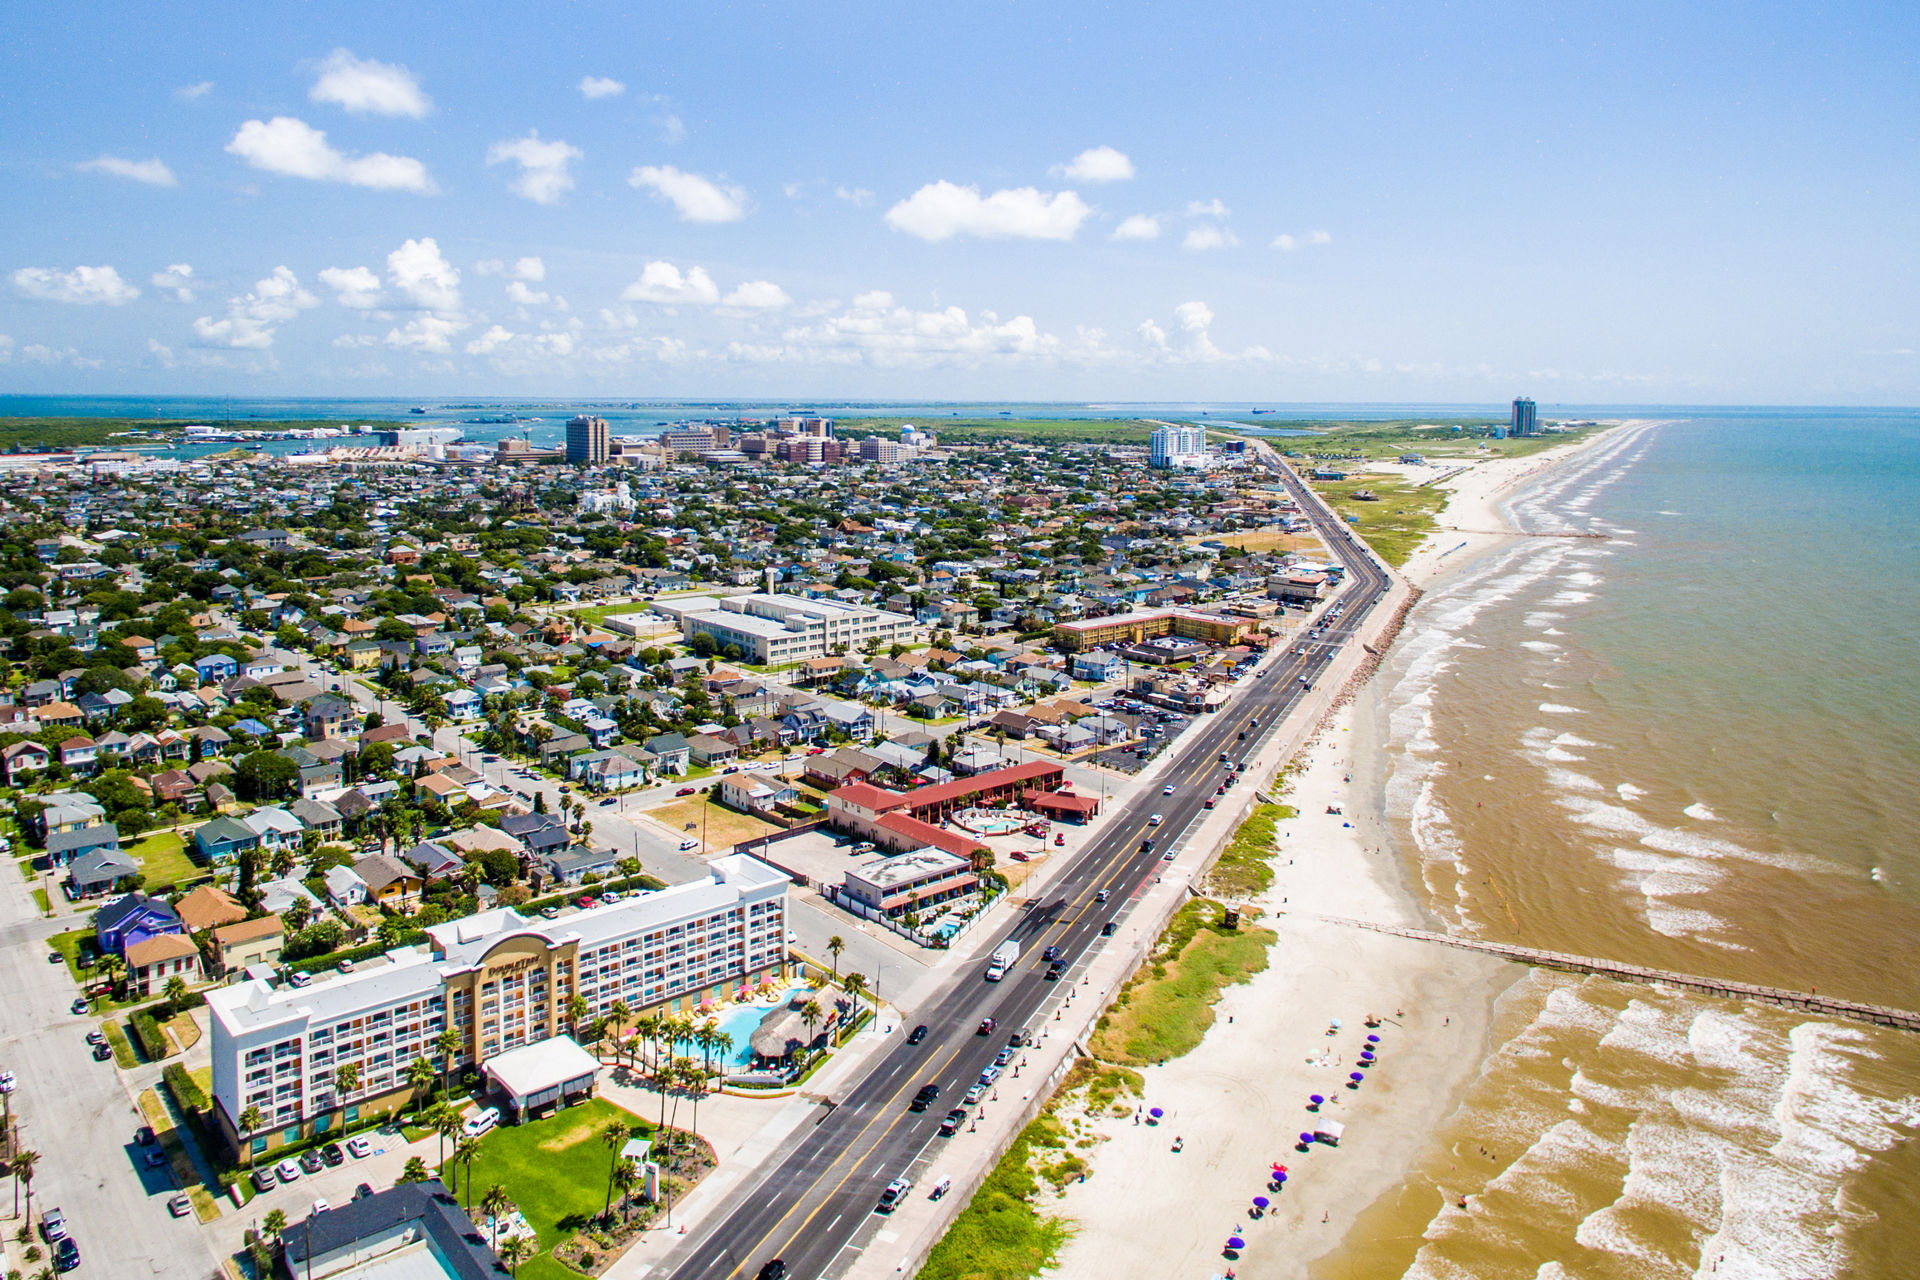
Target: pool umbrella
1155,1112
1356,1076
1261,1202
1373,1039
1315,1099
1235,1242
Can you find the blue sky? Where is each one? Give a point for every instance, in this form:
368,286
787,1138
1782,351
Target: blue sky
1604,203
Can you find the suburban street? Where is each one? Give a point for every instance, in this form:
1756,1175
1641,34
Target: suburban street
809,1204
78,1115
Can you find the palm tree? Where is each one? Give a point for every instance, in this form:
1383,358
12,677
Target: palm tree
835,945
810,1014
626,1176
446,1123
346,1078
614,1136
415,1170
176,991
421,1075
495,1203
722,1045
697,1080
115,968
515,1251
463,1153
665,1072
250,1120
855,985
577,1008
617,1017
275,1223
685,1073
21,1168
648,1028
447,1043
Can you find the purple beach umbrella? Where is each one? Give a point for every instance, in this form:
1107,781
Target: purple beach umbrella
1373,1039
1315,1099
1261,1202
1306,1138
1280,1177
1156,1113
1235,1242
1356,1076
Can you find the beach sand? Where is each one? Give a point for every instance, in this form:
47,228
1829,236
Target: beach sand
1240,1100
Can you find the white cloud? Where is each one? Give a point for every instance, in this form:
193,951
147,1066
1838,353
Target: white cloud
543,166
292,147
152,172
366,87
759,295
1194,317
39,353
429,333
1289,243
517,291
160,351
189,92
498,336
662,282
354,287
941,210
176,280
428,279
1138,226
1213,208
251,319
878,331
854,195
598,87
698,199
672,129
1209,236
83,286
1096,164
530,269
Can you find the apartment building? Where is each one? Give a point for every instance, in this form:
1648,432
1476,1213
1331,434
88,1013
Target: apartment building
774,630
500,981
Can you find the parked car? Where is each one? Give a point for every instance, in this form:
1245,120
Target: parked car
310,1162
179,1204
7,1083
66,1255
287,1170
362,1191
101,1053
320,1206
96,1037
688,846
951,1124
263,1179
686,791
154,1158
586,901
53,1223
360,1148
80,1004
550,913
480,1122
974,1094
1002,1058
332,1155
893,1194
1108,929
300,978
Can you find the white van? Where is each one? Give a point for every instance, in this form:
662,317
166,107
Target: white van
480,1122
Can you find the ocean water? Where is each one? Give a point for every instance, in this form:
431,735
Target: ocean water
1692,741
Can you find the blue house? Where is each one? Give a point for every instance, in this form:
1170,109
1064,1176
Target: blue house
216,667
131,919
224,839
251,728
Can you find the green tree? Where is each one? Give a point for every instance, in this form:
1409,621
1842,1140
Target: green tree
835,945
176,991
265,775
420,1076
613,1137
275,1223
346,1078
250,1121
515,1251
495,1202
415,1170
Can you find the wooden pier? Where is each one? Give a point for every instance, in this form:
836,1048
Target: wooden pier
1804,1001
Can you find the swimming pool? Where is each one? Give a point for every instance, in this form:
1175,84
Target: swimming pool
739,1021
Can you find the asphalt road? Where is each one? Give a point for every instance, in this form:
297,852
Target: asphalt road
815,1196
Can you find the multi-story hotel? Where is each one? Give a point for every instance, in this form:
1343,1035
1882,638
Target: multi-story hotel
776,629
497,979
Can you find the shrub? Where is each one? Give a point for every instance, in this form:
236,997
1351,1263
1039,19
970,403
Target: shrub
153,1043
185,1090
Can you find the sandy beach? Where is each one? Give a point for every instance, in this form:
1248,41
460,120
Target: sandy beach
1241,1100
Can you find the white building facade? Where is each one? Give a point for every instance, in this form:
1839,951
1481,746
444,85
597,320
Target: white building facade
777,629
499,981
1179,445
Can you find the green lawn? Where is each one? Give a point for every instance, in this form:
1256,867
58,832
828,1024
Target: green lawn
68,945
1395,522
163,859
555,1170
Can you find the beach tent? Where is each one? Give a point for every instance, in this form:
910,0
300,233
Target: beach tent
1329,1131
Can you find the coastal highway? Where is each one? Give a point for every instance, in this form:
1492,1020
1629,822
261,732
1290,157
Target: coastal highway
813,1196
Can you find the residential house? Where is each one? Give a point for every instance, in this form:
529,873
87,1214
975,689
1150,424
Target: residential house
224,839
22,760
571,865
327,716
65,846
674,751
100,871
389,882
706,750
208,908
433,860
540,833
155,961
345,888
755,793
276,828
237,947
319,817
130,919
79,753
277,897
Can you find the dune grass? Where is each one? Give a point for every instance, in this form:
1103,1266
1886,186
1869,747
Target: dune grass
1166,1007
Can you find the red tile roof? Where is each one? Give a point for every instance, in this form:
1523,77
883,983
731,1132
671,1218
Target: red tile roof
928,834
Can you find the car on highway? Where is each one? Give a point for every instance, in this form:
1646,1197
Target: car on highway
1146,846
918,1034
1054,971
1108,929
1051,953
1167,790
950,1125
66,1255
924,1099
986,1027
894,1193
609,800
1154,819
1103,894
974,1094
179,1204
774,1270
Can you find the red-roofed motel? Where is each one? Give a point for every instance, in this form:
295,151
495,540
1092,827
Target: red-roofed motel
909,819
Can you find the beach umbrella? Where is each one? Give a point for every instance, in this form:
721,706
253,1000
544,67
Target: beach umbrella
1261,1202
1280,1176
1336,1024
1306,1138
1366,1055
1315,1099
1235,1242
1155,1112
1278,1167
1373,1039
1356,1076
